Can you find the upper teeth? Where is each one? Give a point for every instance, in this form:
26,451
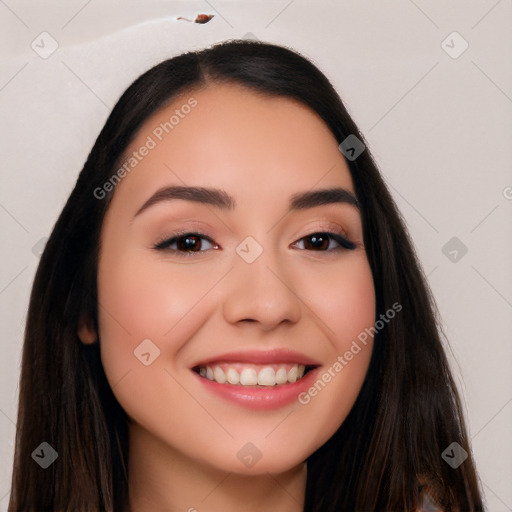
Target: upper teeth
252,375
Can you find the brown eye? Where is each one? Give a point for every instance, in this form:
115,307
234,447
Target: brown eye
187,243
316,242
323,242
191,243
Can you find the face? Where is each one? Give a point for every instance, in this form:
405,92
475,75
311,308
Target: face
232,286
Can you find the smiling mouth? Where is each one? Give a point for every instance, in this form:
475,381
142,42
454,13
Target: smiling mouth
259,375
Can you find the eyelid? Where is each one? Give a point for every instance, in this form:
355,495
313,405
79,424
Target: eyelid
334,230
324,227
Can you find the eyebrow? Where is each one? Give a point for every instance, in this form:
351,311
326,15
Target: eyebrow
221,199
211,196
314,198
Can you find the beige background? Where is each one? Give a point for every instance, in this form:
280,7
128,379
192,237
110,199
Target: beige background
439,127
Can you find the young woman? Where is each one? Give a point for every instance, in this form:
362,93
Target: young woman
229,314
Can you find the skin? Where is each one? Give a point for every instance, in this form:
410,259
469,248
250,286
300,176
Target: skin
184,440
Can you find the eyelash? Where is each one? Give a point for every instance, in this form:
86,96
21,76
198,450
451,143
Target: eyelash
165,243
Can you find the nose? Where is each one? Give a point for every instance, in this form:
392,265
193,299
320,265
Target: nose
261,293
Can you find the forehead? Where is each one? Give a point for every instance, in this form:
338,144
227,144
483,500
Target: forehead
233,138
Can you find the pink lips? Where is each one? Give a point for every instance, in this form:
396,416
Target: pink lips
259,397
262,357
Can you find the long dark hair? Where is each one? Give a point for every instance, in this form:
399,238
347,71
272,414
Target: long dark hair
408,411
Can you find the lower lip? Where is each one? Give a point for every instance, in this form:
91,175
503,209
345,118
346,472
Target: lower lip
262,398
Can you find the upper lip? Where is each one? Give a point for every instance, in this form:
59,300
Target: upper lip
261,357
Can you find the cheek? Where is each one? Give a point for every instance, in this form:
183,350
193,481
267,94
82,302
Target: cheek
147,299
355,310
345,306
343,299
140,301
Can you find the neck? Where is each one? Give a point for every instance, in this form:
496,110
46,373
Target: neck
164,480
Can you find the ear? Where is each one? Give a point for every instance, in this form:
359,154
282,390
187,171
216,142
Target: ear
86,331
